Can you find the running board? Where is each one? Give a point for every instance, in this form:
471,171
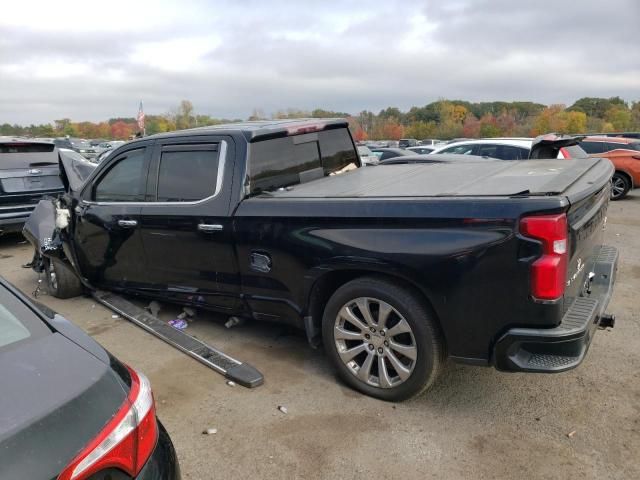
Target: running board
241,373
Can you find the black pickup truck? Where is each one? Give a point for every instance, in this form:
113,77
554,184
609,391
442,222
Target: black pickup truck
395,268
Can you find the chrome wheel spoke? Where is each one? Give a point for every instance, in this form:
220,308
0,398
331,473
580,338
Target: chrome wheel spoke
409,351
401,327
348,354
402,371
342,334
364,372
383,375
350,317
363,306
383,314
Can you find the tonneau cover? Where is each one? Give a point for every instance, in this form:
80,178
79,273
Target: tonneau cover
493,178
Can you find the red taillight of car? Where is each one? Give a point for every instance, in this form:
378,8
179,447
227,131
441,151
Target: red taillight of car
549,272
126,442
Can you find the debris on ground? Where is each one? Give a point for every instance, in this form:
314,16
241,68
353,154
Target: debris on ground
283,409
210,431
36,292
234,321
571,434
231,383
189,311
153,308
115,316
178,323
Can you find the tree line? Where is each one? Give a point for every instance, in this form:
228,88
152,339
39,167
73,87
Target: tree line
443,119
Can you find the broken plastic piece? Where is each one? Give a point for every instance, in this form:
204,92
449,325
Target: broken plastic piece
178,323
234,321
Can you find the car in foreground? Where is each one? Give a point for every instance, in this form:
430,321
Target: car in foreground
367,157
70,410
28,172
624,153
385,153
388,266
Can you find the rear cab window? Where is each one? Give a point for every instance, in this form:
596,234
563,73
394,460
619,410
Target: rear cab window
188,173
282,162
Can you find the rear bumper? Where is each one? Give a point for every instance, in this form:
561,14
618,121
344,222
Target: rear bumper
550,350
163,463
12,217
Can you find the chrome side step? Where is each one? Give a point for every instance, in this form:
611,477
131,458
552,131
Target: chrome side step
241,373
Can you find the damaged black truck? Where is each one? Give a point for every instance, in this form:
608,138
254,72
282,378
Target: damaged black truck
394,268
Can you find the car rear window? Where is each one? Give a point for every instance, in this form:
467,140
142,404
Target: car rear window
574,151
286,161
26,147
17,322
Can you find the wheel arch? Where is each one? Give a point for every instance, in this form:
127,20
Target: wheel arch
326,284
627,175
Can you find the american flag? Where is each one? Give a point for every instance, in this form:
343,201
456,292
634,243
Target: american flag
141,118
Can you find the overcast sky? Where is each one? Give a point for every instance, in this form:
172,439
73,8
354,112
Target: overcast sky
71,59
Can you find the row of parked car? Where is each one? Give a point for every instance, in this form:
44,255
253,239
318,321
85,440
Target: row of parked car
624,153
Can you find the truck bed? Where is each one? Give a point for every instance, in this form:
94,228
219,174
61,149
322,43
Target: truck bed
493,178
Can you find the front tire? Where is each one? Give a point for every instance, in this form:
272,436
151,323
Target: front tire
620,186
382,339
62,282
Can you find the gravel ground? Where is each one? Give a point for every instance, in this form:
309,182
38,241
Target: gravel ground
475,423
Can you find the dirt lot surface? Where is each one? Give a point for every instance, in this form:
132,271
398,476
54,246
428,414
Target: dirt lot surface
475,423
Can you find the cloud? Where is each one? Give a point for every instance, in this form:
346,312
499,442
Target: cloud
228,57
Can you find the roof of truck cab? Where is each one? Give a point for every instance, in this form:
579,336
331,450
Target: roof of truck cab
500,178
253,130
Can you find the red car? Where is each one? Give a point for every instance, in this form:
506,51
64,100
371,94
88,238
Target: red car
624,153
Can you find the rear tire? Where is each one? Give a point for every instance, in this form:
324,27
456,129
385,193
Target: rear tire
620,186
62,282
400,350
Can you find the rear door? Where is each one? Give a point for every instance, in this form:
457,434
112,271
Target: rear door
186,226
106,234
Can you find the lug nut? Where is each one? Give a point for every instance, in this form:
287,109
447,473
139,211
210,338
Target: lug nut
370,346
382,332
386,344
373,330
367,336
380,350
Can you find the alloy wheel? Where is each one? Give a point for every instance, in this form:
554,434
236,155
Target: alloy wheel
375,342
618,186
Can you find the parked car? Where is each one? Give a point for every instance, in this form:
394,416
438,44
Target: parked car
103,155
109,145
71,410
436,158
28,172
421,150
430,142
367,157
77,145
504,148
635,135
407,142
384,153
624,153
387,265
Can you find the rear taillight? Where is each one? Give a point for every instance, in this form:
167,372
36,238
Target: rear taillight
549,272
126,442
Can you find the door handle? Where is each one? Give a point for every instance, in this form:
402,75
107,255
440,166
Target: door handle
208,227
127,223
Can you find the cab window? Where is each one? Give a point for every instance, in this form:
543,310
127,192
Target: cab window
125,180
